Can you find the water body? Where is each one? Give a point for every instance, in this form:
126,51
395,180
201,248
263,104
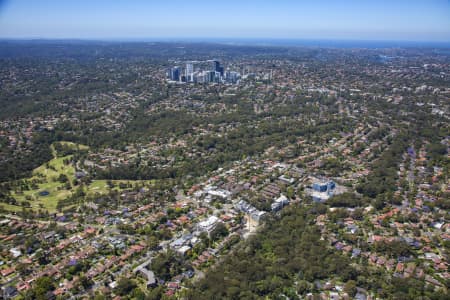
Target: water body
342,43
325,43
314,42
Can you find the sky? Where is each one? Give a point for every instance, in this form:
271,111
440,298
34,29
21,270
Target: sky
402,20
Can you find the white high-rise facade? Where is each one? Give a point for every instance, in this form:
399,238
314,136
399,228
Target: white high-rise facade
189,71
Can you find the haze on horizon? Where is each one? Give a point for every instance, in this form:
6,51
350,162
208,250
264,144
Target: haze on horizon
401,20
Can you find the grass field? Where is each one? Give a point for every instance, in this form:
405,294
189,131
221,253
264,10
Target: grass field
45,179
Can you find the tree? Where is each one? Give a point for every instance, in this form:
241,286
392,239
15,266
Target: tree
156,293
138,294
42,286
125,286
63,178
167,264
350,288
303,287
153,242
218,232
23,269
86,282
290,192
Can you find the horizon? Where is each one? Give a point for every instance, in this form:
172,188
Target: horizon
255,42
402,21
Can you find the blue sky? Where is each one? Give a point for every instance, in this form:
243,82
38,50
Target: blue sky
414,20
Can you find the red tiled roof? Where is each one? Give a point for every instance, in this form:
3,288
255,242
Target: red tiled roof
8,271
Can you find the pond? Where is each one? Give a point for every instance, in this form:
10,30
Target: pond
44,193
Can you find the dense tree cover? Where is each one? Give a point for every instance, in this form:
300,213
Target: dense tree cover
161,124
444,202
64,149
273,129
333,166
383,177
125,286
167,265
42,286
219,232
393,249
410,288
346,200
422,127
378,134
436,151
239,143
15,166
268,264
286,258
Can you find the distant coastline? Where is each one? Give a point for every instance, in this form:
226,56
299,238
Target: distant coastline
333,43
325,43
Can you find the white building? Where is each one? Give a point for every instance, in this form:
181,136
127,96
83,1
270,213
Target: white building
189,72
279,203
220,193
208,225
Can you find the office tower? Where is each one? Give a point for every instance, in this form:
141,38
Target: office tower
174,74
232,77
212,76
217,67
189,71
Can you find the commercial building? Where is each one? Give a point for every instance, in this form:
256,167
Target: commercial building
212,73
189,72
216,67
322,190
174,73
208,225
279,203
324,186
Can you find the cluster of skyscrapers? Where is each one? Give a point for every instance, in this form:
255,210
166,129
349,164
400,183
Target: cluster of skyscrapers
213,72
